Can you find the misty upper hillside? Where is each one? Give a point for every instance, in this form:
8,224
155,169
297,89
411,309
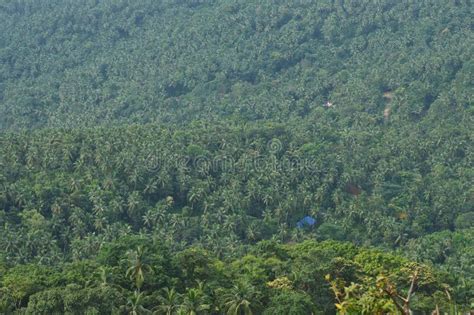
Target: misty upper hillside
82,63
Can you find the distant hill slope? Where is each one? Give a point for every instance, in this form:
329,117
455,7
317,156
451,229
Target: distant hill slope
76,63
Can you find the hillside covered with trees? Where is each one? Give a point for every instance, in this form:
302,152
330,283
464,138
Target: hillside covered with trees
236,157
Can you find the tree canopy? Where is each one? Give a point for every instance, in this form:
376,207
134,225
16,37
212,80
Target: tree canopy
236,157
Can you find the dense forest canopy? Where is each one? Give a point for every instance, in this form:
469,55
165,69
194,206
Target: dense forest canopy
236,157
81,63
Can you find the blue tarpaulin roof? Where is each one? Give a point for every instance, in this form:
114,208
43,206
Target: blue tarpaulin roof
306,221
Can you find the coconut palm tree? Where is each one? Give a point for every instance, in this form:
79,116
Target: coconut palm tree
135,304
137,270
195,302
169,302
240,299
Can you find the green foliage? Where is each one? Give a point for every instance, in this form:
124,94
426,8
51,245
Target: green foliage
291,303
168,301
155,156
137,269
70,63
451,252
74,299
242,298
68,195
360,278
20,282
465,220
